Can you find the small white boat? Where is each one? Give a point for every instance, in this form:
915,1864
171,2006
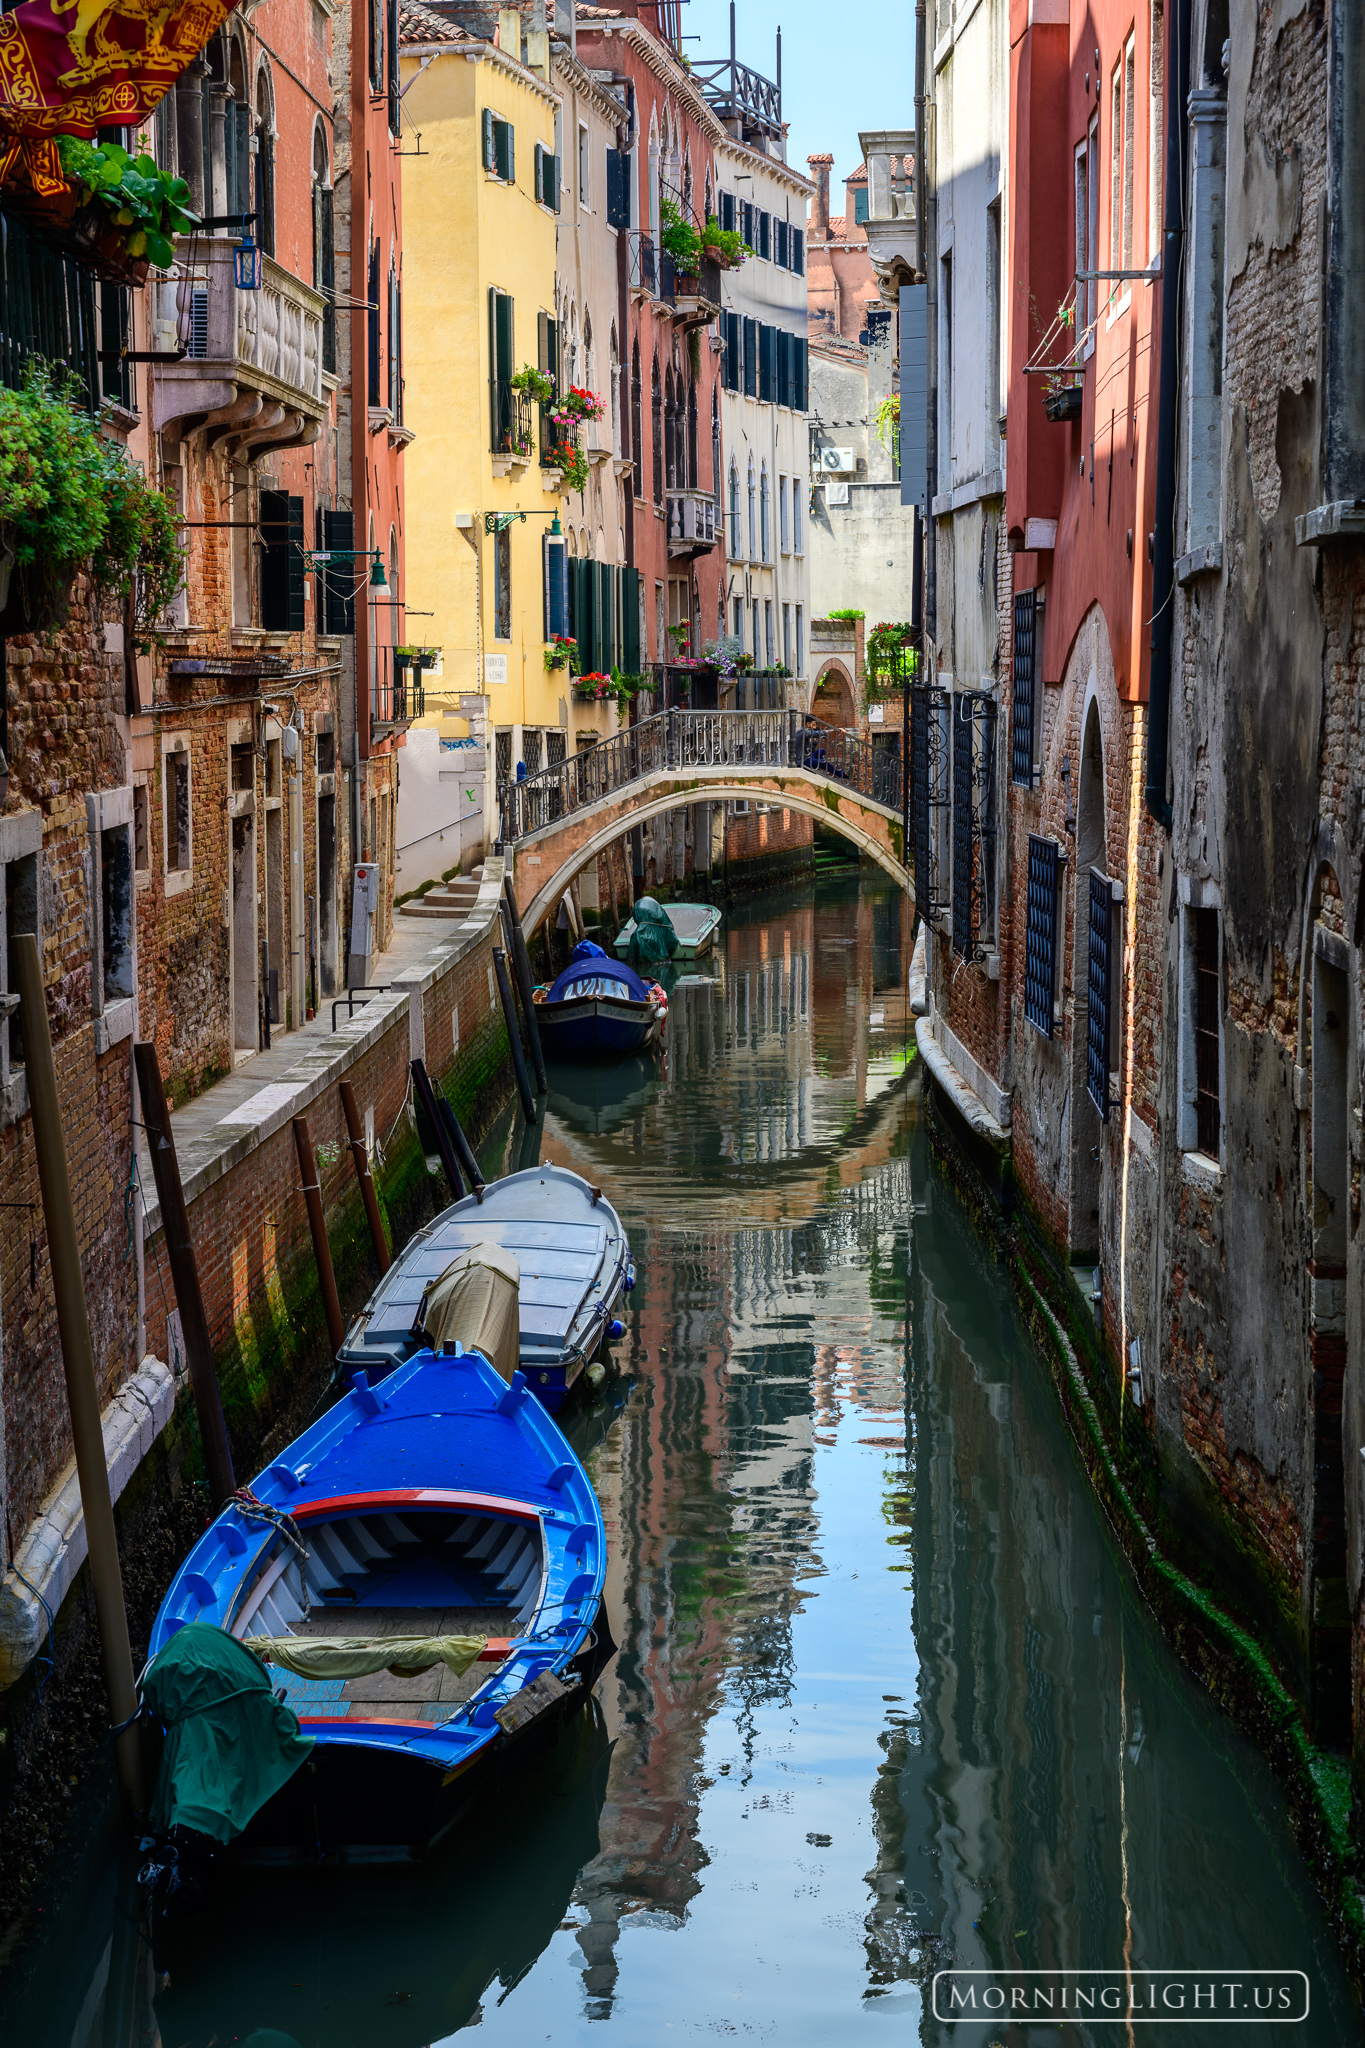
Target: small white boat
695,923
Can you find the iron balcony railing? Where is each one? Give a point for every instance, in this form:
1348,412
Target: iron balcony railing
514,430
696,739
397,694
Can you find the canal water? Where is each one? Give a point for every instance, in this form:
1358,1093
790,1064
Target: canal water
885,1698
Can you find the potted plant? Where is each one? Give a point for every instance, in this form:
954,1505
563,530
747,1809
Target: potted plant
1062,396
533,384
722,246
71,499
681,240
561,652
127,208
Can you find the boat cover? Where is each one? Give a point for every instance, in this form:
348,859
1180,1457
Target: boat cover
230,1744
654,938
358,1656
476,1302
591,963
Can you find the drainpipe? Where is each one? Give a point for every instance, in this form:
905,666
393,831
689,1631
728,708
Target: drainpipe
1163,553
930,626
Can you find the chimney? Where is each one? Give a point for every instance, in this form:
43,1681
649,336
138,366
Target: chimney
820,167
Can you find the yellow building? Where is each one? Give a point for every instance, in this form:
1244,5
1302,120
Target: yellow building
479,300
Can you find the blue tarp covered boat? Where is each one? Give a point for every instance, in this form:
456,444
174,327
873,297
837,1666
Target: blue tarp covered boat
442,1512
598,1009
575,1273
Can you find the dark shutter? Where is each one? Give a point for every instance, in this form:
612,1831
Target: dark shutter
265,189
618,189
798,251
605,627
765,234
556,586
730,362
538,175
1040,934
339,577
1025,628
376,48
585,625
784,365
630,621
294,565
964,839
746,223
1097,995
490,152
274,520
727,212
780,243
504,147
750,358
767,363
328,280
799,398
920,714
553,181
372,322
395,97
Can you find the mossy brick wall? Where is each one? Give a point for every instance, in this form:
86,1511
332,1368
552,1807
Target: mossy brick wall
250,1228
66,696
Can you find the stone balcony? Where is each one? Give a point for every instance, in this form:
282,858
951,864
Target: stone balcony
252,369
889,154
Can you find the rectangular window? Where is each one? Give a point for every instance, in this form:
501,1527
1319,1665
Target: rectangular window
556,586
176,810
746,223
1025,646
1040,934
973,822
1099,993
758,643
750,358
502,584
783,516
800,640
727,211
116,912
1156,132
1085,255
767,363
584,164
1129,83
738,611
798,251
1207,1031
499,147
618,188
798,506
547,177
786,636
19,908
660,623
502,398
780,244
339,577
767,632
764,238
281,558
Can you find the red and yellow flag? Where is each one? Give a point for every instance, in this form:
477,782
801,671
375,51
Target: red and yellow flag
71,66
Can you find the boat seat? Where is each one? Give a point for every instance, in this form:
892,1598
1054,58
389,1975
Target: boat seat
379,1696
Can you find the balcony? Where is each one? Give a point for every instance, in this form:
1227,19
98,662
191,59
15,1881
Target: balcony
643,266
697,300
252,370
397,693
514,433
691,522
889,154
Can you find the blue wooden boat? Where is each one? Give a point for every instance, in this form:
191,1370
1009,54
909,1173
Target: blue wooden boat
598,1009
576,1271
443,1504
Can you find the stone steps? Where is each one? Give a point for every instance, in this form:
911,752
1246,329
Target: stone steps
451,899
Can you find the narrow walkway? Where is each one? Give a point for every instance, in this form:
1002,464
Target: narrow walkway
236,1111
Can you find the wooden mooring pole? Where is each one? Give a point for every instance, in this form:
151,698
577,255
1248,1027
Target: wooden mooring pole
509,1011
194,1324
355,1131
317,1224
78,1358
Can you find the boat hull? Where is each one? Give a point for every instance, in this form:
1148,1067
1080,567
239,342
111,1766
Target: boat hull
597,1027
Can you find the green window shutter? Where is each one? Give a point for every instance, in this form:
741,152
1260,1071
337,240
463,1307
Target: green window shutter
338,532
555,182
630,621
542,338
495,411
490,154
538,175
552,337
293,565
504,336
606,585
589,635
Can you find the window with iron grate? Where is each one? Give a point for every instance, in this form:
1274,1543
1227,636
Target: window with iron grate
1040,935
1022,731
1099,993
1207,1031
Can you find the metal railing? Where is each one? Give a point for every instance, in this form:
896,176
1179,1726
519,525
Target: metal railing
397,693
696,739
513,421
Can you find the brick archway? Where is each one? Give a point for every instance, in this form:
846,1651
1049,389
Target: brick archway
833,700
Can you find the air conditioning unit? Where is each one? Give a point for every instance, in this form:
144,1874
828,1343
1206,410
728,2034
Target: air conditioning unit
839,461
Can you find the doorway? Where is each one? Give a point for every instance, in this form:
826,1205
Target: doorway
327,894
245,1023
1087,975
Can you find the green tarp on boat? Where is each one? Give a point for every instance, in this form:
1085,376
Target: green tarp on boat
230,1744
654,939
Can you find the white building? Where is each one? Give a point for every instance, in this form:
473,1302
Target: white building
765,382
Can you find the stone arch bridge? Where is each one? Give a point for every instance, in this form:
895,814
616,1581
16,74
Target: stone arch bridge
555,823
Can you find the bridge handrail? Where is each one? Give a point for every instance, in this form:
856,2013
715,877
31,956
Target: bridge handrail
696,739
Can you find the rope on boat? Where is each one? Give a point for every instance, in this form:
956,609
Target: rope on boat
253,1509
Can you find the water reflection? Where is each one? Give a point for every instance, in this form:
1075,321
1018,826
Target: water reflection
885,1699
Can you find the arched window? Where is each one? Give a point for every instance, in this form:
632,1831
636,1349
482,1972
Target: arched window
589,366
693,474
395,344
324,247
736,537
265,162
656,406
764,516
615,394
753,514
637,452
670,432
715,444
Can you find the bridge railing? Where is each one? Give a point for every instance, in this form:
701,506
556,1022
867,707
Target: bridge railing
695,739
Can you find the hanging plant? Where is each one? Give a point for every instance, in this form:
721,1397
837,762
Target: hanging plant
890,651
572,464
888,421
722,246
534,383
679,237
562,652
577,404
140,198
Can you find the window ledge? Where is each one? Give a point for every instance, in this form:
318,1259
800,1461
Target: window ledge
509,465
1344,520
117,1023
380,417
179,881
14,1099
400,436
1203,561
1201,1171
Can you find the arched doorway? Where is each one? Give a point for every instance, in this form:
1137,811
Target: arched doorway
1094,979
832,702
1328,1036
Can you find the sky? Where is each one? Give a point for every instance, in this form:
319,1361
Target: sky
836,78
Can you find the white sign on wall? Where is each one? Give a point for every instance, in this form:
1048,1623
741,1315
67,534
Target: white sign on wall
876,714
494,670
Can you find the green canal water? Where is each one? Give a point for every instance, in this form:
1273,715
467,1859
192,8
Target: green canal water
886,1700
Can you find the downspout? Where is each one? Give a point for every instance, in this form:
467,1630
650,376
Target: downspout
930,626
1168,408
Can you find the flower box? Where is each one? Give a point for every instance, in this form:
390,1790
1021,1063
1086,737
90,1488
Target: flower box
1064,404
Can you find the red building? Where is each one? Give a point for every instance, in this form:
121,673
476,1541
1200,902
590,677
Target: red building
671,358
